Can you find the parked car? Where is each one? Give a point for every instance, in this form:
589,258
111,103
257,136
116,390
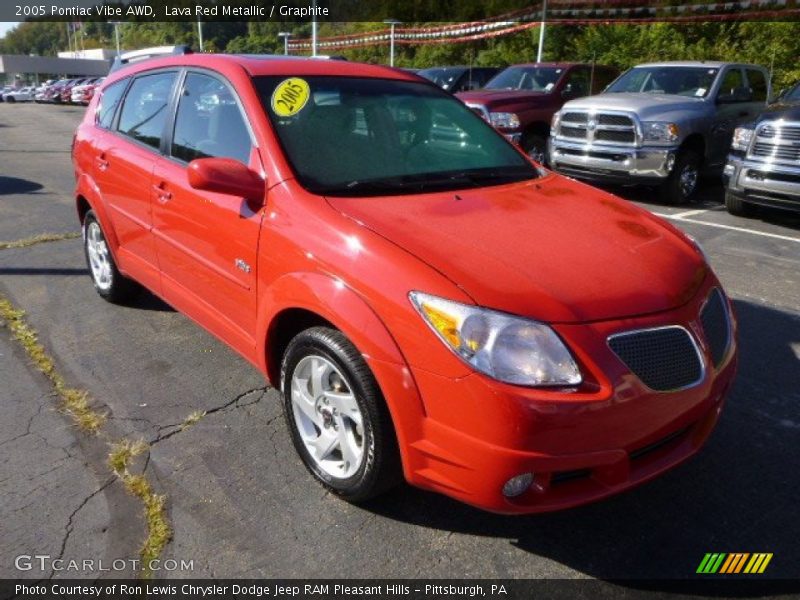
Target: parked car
4,90
39,92
459,79
764,160
66,91
82,94
24,94
660,124
441,310
53,92
520,100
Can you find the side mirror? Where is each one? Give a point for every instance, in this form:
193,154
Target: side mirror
226,176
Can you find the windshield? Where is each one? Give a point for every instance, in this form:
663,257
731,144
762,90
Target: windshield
444,78
350,136
679,81
537,79
793,95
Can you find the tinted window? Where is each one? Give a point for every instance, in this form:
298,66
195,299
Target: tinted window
601,79
577,83
209,122
109,101
758,85
144,110
354,136
732,81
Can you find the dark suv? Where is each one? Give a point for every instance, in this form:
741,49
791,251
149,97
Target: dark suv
521,100
459,79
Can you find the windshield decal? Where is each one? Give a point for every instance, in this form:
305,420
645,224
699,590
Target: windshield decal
290,96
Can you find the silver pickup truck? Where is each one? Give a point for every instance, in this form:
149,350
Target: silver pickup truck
660,124
764,162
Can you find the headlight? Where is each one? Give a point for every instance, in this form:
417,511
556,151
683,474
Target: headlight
509,349
504,120
741,139
656,131
554,122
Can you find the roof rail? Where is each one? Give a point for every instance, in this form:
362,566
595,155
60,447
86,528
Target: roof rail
135,56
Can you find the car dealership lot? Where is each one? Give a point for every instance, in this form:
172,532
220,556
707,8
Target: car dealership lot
241,503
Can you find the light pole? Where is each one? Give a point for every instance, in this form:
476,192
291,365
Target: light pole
391,23
116,25
314,31
285,35
541,32
200,33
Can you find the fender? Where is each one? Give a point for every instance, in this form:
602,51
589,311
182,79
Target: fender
87,189
331,299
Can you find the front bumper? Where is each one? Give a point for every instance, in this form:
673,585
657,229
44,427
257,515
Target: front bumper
611,164
774,185
580,445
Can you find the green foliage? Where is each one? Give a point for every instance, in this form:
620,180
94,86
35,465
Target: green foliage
773,44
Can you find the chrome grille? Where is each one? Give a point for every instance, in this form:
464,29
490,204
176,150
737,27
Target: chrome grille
716,328
776,140
664,359
605,128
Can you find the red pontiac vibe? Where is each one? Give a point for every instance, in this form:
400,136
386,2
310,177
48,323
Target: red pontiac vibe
430,303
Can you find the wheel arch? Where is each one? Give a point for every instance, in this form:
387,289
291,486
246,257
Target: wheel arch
697,144
297,301
87,197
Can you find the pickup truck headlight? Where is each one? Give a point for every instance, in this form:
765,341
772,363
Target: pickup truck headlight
504,120
554,122
657,131
507,348
741,139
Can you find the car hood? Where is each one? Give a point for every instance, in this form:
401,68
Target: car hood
496,98
645,105
550,249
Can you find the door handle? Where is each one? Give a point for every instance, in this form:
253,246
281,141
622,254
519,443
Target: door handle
162,195
102,163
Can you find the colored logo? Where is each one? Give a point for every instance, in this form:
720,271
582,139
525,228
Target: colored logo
735,562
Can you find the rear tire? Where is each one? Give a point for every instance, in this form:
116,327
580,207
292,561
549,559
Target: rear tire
108,281
337,417
681,184
736,206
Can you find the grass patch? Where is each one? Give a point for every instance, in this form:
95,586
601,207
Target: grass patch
38,239
77,404
192,419
74,402
159,532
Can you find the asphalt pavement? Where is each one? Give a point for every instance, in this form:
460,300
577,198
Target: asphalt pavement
239,501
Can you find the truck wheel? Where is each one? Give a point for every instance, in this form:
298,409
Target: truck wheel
736,206
535,146
339,422
108,281
682,181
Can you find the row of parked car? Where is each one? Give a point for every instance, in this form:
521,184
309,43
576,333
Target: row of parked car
62,91
660,124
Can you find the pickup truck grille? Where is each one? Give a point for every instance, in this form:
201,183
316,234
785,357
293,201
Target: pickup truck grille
605,128
777,141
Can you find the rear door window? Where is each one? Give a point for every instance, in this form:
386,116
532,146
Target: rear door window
144,111
109,102
758,85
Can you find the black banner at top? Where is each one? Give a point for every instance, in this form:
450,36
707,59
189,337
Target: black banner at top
406,11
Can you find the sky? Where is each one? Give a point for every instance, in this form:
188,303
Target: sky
4,27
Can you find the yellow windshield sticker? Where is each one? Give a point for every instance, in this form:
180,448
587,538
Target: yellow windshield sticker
290,97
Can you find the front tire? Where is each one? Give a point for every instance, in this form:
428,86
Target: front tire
337,417
736,206
535,146
108,281
681,184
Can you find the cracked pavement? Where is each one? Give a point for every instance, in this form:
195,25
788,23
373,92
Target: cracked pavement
240,502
